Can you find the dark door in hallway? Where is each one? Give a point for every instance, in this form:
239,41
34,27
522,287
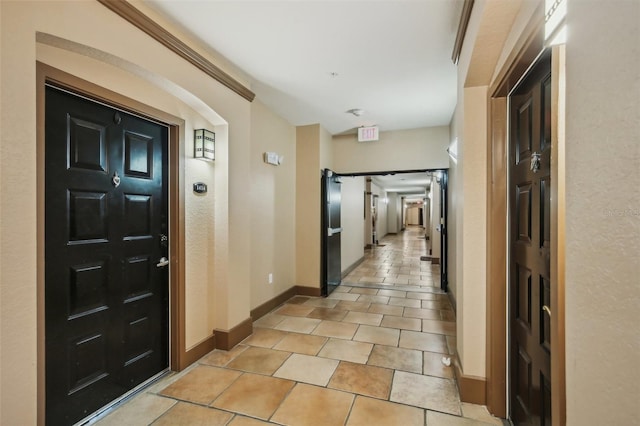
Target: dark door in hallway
444,255
106,279
331,231
529,266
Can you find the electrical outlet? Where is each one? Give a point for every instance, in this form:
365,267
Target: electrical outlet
270,278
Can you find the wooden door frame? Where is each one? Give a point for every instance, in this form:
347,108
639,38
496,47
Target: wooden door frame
179,356
524,54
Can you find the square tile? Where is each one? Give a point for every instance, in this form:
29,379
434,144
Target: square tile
202,384
363,318
433,393
298,325
307,406
220,358
433,304
142,410
297,300
442,419
421,313
185,414
439,327
318,302
343,296
386,309
423,341
421,296
368,411
294,310
254,395
269,320
383,300
340,330
408,303
396,358
433,365
328,314
362,379
247,421
307,369
480,413
346,350
301,343
259,360
401,322
452,344
342,289
370,291
264,337
448,315
378,335
392,293
353,306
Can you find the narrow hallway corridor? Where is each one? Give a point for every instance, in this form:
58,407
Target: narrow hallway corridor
369,354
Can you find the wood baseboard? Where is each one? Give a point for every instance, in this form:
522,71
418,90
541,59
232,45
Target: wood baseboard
271,304
198,351
308,291
473,389
352,267
227,339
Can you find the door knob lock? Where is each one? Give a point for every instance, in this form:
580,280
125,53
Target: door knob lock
547,310
162,262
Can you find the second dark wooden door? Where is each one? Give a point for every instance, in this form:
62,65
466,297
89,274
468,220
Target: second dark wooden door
529,267
106,282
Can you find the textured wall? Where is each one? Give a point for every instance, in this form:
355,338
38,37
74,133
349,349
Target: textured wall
352,220
603,212
414,149
272,195
112,53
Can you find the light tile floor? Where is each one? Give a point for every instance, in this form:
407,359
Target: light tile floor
369,354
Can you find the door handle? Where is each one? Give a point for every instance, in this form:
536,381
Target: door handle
332,231
162,262
547,310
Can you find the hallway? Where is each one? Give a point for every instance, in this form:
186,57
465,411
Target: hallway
369,354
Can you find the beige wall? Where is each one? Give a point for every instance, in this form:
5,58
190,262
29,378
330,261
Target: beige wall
272,196
352,220
603,212
472,296
381,220
394,212
106,50
602,181
308,205
414,149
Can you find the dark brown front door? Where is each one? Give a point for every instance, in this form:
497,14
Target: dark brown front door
106,282
529,266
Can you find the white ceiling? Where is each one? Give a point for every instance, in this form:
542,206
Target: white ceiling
311,61
405,183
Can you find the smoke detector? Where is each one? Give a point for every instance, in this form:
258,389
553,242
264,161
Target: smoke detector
356,111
